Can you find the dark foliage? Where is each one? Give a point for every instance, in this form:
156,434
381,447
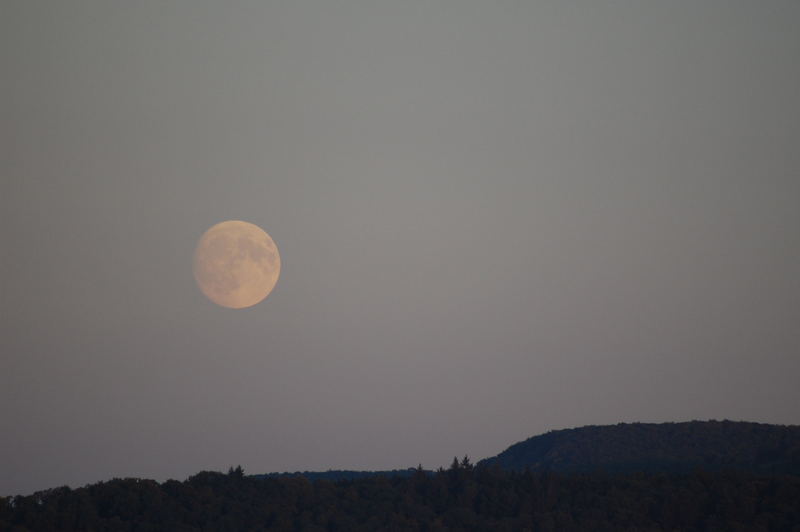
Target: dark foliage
461,498
664,448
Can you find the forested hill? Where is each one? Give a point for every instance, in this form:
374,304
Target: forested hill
664,447
634,447
741,476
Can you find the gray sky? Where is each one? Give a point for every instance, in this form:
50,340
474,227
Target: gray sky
495,219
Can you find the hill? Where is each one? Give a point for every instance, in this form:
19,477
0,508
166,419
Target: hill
659,448
335,475
672,476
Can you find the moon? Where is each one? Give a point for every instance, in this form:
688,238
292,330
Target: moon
236,264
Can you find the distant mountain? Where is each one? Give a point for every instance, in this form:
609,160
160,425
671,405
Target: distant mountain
335,475
659,448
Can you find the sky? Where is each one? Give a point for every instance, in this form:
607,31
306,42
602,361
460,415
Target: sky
495,219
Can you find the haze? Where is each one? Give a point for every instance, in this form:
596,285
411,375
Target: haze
495,219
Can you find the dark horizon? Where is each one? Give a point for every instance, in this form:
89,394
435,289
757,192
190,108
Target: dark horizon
674,448
715,475
494,220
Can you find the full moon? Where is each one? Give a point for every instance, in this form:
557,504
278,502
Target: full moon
236,264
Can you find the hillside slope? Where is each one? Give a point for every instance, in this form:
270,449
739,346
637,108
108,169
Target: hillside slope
664,447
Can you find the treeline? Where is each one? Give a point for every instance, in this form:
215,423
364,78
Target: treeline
460,498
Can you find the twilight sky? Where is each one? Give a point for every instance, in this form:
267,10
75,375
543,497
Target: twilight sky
495,218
